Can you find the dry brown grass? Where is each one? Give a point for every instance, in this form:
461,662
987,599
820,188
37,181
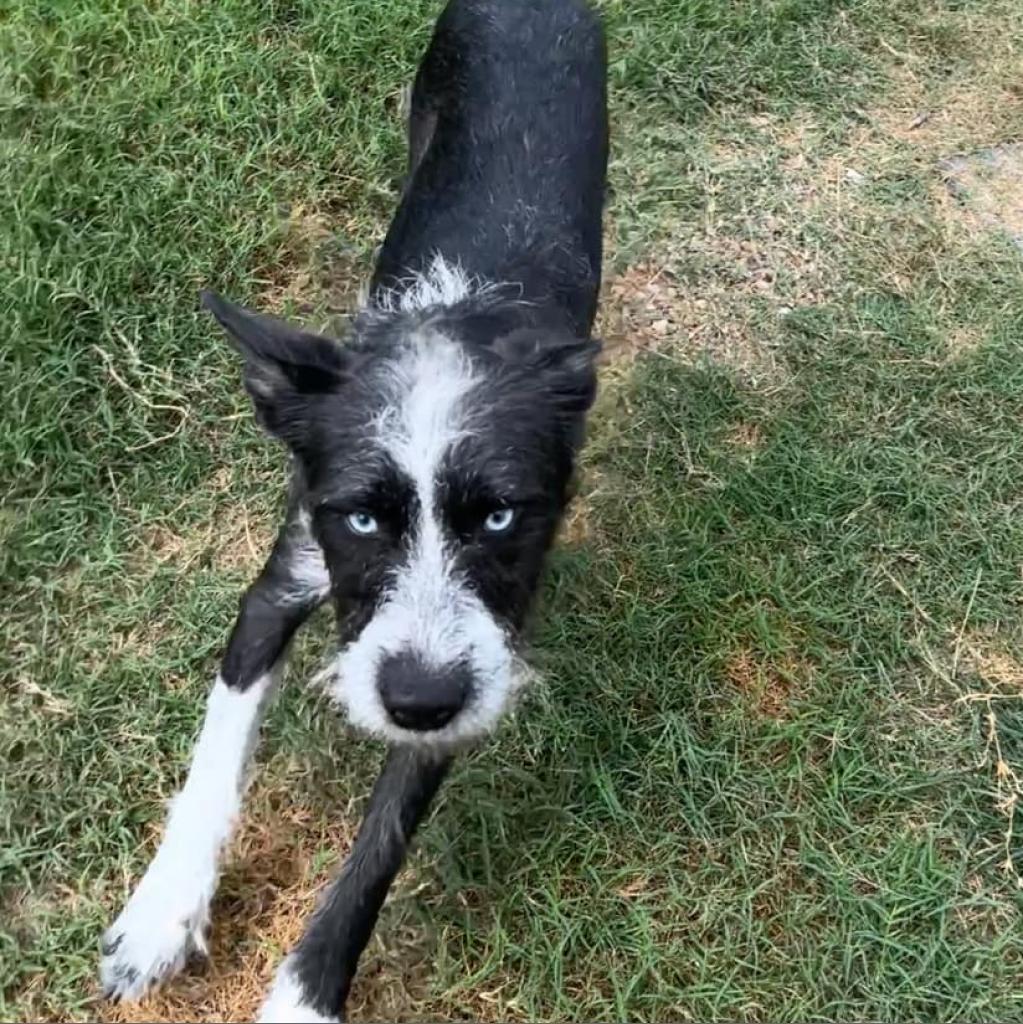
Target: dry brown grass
768,686
234,539
311,269
998,668
746,437
285,853
993,677
266,894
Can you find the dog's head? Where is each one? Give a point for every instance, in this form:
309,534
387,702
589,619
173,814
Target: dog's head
434,468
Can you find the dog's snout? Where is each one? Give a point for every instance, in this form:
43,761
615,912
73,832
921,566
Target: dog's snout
419,697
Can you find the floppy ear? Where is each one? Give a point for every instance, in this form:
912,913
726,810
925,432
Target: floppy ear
565,364
284,366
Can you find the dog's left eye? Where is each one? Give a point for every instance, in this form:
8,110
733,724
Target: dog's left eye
499,520
361,523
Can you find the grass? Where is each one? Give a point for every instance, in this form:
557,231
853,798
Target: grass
771,769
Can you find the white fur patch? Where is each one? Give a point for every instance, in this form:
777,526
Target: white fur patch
286,1004
428,609
308,578
168,914
441,284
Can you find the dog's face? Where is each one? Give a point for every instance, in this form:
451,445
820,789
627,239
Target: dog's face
434,472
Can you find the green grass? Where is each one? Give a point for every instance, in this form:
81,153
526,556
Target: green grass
747,788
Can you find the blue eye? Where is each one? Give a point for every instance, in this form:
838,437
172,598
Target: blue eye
499,520
361,523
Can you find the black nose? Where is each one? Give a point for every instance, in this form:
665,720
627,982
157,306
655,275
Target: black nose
419,697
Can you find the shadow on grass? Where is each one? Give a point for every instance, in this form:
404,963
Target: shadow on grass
654,822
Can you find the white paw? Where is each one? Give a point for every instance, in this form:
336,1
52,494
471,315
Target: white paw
163,924
286,1003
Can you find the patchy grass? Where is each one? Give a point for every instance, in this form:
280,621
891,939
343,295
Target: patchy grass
773,770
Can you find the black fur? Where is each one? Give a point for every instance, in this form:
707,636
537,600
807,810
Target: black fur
328,953
508,150
273,607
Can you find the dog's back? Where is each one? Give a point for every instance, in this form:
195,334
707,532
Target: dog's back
508,140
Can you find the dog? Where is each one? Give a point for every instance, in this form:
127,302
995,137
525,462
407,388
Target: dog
431,457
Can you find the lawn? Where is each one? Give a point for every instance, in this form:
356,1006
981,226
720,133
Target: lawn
771,767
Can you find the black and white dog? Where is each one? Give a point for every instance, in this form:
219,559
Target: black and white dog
432,455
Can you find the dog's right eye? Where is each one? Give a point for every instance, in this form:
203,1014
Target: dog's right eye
499,520
361,523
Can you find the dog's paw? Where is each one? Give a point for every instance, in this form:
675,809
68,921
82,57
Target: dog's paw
287,1004
151,941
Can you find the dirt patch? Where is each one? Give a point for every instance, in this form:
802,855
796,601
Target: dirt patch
769,687
161,545
990,183
939,103
957,115
963,341
961,115
745,436
243,545
963,127
281,859
234,538
648,308
314,266
784,200
284,856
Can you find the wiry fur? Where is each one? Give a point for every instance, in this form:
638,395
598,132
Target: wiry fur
427,605
440,284
308,575
457,402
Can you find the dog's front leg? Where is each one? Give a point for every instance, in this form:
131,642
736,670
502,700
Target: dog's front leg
313,982
166,918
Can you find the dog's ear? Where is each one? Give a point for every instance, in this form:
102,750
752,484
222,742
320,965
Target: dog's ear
283,364
564,364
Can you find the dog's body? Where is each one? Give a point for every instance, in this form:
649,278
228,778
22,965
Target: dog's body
431,456
507,151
